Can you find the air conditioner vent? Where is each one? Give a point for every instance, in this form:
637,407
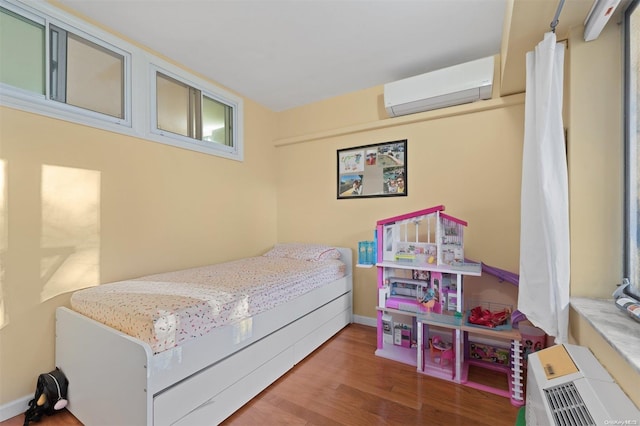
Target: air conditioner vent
567,406
580,393
456,85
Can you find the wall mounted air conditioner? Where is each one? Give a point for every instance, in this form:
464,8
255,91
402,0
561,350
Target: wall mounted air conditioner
450,86
598,17
566,385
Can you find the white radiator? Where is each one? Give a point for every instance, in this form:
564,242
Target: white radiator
567,386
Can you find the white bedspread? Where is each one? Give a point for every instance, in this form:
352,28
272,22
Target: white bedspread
166,310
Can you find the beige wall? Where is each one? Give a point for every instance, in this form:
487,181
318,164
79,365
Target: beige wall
471,163
468,162
596,154
84,206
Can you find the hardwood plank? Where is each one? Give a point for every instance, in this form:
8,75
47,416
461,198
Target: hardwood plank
62,418
344,383
375,390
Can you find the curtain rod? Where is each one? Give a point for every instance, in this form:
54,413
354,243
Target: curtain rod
555,21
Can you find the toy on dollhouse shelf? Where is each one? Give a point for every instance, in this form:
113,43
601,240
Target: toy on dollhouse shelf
404,294
434,296
419,292
489,315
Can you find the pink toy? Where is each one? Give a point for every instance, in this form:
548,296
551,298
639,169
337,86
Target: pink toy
441,349
429,304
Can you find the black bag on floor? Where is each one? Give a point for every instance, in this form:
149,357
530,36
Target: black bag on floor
50,396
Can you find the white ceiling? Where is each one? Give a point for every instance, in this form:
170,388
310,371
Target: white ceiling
287,53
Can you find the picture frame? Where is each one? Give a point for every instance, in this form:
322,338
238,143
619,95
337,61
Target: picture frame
376,170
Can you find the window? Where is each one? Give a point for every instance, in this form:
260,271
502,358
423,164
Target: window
54,64
632,157
185,111
85,74
22,58
78,70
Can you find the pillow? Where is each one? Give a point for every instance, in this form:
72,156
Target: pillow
303,251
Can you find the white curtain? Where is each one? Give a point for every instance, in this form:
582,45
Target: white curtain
544,229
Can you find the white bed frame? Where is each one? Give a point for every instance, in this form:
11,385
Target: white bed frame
116,379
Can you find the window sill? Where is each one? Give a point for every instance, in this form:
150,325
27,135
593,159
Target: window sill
616,327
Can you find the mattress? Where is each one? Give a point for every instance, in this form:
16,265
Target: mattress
166,310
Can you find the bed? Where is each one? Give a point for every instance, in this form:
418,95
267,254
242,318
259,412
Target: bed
194,356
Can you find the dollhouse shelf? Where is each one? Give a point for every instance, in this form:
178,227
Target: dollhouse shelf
473,269
366,266
459,370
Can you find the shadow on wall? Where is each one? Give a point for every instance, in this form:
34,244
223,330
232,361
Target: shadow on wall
68,238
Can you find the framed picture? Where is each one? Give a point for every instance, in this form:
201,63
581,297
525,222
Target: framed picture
378,170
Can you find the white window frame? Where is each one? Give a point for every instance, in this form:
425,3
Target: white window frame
632,142
234,152
42,104
139,92
71,109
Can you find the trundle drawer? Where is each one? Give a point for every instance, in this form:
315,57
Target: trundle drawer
199,391
226,403
321,334
214,393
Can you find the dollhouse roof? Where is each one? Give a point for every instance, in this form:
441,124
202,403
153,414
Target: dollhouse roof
419,213
453,219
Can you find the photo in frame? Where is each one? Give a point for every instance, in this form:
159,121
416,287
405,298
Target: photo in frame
377,170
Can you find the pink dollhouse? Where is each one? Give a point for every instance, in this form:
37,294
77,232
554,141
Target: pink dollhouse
421,318
432,242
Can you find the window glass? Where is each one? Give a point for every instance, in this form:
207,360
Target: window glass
216,122
172,99
22,58
85,74
95,77
632,36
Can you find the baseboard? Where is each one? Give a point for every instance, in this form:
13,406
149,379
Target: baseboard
13,408
371,322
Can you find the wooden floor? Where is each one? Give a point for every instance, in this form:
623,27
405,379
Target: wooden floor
344,383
